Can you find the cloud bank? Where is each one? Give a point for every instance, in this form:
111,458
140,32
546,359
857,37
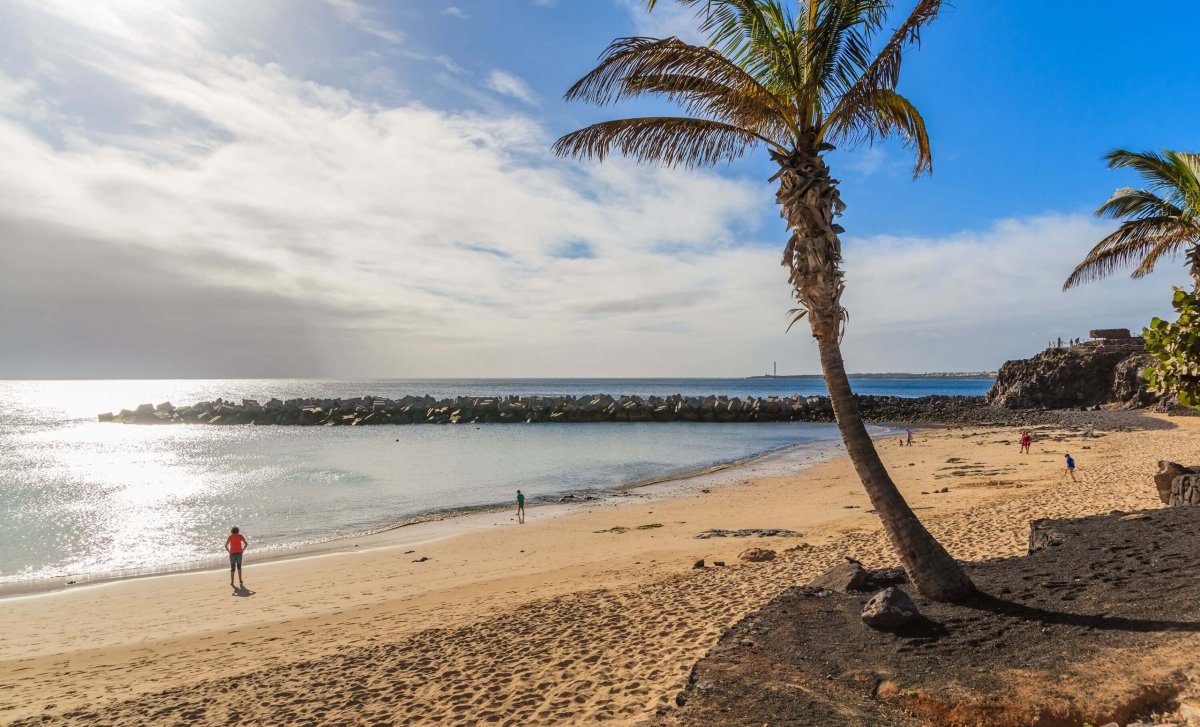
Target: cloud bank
220,215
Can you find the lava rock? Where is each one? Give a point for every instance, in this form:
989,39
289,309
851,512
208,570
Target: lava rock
1163,479
1064,378
842,578
889,610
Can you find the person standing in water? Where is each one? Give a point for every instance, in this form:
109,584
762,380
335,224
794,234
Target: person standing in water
1070,470
235,545
520,507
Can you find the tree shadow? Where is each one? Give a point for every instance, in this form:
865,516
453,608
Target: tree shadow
986,602
242,592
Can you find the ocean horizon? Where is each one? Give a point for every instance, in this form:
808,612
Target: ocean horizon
82,499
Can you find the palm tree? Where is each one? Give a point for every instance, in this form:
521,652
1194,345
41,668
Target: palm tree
796,84
1163,219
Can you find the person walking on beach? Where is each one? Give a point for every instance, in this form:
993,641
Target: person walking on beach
520,507
235,545
908,443
1070,470
1026,440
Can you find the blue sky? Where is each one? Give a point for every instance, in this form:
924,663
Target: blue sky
356,188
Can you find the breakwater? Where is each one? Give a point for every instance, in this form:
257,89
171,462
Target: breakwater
372,410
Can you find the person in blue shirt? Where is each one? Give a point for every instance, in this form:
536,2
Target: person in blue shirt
1070,470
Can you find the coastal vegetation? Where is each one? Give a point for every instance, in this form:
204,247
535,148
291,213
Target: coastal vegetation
1175,348
797,83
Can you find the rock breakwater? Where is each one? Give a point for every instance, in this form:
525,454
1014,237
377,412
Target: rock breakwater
373,410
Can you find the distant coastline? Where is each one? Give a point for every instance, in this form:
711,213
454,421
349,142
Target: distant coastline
942,375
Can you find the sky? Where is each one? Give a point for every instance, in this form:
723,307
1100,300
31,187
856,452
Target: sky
360,188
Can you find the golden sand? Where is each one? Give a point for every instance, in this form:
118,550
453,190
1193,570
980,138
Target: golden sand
560,620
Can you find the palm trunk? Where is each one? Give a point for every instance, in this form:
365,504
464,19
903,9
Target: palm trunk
809,200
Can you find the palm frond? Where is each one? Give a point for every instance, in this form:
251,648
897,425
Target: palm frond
1132,241
883,73
666,140
884,113
701,79
1175,173
1138,204
758,35
705,98
1170,245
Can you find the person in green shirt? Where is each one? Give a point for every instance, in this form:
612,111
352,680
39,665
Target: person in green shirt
520,507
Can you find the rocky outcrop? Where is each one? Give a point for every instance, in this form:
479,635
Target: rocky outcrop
1080,376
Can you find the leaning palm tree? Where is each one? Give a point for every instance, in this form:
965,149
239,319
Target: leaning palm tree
796,84
1161,220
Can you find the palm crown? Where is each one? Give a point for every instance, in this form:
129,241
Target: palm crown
1161,220
788,80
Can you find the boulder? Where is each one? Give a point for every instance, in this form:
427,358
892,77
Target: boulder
1185,490
757,555
1044,534
842,578
1129,382
1163,479
105,417
889,609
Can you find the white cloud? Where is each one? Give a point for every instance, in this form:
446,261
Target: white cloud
457,12
248,222
667,19
354,13
972,300
507,84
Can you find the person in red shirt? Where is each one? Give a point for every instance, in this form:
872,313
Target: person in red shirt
235,545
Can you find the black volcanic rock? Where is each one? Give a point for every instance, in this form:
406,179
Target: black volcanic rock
1068,378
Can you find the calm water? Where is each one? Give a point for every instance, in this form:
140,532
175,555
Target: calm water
79,498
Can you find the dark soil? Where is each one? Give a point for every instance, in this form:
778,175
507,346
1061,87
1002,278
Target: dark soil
974,411
1018,653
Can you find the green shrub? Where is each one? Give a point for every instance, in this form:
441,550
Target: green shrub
1175,347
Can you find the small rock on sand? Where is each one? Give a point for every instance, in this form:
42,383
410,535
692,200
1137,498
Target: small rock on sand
698,564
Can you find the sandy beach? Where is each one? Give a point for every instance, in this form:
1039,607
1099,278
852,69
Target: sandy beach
582,614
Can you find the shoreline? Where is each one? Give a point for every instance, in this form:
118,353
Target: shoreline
441,524
424,529
595,615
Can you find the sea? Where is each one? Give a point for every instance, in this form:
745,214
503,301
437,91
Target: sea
81,499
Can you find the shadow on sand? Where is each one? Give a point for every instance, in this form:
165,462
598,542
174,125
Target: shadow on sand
242,592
